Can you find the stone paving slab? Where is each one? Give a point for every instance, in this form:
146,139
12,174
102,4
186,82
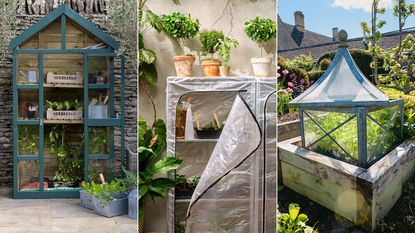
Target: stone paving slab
56,216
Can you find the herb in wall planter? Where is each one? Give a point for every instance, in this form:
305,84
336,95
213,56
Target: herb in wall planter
224,46
211,130
181,27
261,30
185,186
209,41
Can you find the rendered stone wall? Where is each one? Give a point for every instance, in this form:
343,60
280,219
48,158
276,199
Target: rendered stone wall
226,15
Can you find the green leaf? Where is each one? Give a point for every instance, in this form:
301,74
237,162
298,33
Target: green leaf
142,191
165,165
294,210
302,217
149,73
146,56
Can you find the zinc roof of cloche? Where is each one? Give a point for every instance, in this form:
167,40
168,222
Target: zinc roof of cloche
342,85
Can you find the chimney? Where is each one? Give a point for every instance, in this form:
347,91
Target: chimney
299,20
335,34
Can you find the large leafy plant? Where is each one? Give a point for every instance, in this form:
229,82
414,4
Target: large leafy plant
261,30
107,192
209,41
180,26
224,46
152,142
293,221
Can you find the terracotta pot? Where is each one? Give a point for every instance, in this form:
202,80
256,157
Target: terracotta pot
211,68
224,71
261,66
184,65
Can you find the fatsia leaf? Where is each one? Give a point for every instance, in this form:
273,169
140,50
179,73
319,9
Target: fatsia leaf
149,73
165,165
146,56
160,130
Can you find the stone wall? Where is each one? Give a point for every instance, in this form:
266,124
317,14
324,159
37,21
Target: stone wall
94,13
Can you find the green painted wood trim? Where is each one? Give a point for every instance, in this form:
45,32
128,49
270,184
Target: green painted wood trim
47,194
14,122
86,132
27,86
27,122
37,27
63,32
112,114
122,151
62,51
109,54
99,156
71,14
41,126
28,158
98,86
104,122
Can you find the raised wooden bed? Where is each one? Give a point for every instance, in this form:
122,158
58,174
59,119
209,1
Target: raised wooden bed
363,196
70,79
63,114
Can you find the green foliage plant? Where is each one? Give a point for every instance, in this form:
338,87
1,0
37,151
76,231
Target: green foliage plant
98,141
283,99
302,61
180,26
64,105
293,221
209,41
211,126
152,142
28,139
107,192
224,47
261,30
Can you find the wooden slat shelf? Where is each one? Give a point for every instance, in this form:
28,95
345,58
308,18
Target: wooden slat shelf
63,121
49,85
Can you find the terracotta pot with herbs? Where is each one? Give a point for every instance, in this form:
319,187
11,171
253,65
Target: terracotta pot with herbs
181,27
209,41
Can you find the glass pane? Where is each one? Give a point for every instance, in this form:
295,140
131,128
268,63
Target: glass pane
376,145
28,141
97,167
77,37
99,138
63,69
63,157
28,104
99,104
50,37
345,136
28,69
98,70
28,179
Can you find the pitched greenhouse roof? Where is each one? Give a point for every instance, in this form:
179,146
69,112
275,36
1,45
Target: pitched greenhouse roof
343,84
54,15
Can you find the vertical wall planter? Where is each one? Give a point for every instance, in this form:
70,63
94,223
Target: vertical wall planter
64,50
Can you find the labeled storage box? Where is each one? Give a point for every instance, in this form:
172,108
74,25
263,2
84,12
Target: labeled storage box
63,114
72,79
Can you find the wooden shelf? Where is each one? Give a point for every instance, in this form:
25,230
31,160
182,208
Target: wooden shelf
50,85
63,121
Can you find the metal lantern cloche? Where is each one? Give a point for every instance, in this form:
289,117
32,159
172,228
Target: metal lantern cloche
343,115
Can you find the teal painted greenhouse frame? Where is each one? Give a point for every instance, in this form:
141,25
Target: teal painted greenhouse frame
114,121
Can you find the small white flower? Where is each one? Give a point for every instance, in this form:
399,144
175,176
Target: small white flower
308,229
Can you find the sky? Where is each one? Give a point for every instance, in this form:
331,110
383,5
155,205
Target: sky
322,15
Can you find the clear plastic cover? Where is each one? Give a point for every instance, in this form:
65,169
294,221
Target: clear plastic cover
222,199
237,202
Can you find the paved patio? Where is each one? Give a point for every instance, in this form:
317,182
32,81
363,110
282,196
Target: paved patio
55,215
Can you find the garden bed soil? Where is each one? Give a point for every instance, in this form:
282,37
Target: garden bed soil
399,220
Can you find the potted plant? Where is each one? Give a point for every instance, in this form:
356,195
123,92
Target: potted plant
185,187
96,70
209,40
211,130
152,142
181,27
30,110
224,46
109,199
261,30
131,183
64,110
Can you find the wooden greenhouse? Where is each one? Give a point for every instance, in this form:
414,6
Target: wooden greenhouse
67,124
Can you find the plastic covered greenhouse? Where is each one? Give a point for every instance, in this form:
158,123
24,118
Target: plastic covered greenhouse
236,163
343,115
